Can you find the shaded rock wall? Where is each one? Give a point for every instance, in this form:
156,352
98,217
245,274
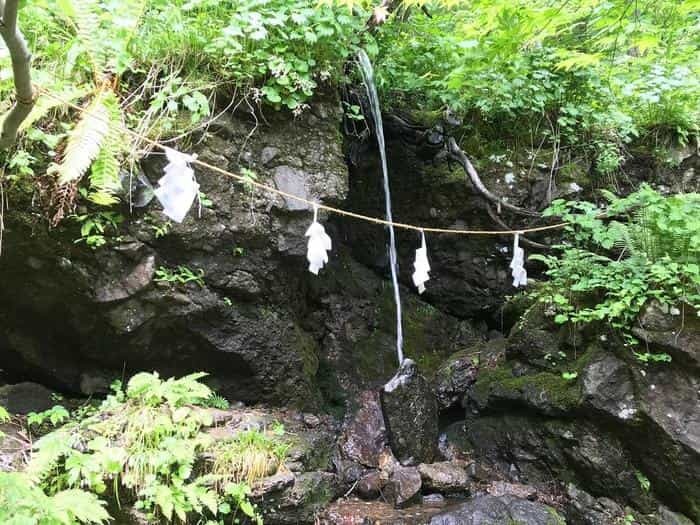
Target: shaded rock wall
613,427
265,328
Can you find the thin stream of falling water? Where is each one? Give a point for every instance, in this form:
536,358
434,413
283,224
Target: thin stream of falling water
368,78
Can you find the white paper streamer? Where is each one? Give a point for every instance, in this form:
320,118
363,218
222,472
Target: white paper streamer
421,266
319,245
178,187
517,264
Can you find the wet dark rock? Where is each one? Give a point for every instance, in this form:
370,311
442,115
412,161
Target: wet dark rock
608,387
247,325
576,450
302,501
490,510
454,378
292,180
242,284
127,284
533,338
364,436
544,392
674,330
667,517
95,382
584,509
403,486
410,412
22,398
446,477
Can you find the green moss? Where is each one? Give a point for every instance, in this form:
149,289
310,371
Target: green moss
542,390
375,354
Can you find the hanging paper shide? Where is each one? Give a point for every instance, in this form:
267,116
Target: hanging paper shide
178,187
319,245
421,266
517,265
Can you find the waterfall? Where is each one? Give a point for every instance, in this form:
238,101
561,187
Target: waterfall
368,78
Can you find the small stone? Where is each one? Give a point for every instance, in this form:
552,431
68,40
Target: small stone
502,488
446,477
403,486
268,154
311,421
433,499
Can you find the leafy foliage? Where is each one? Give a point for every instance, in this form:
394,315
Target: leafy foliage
588,75
619,257
23,502
146,439
180,275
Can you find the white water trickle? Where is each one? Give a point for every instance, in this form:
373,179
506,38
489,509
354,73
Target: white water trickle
368,78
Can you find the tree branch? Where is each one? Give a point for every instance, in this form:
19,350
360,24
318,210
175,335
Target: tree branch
21,70
523,240
456,154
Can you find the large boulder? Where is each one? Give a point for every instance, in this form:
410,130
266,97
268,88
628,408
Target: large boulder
364,437
411,415
492,510
25,397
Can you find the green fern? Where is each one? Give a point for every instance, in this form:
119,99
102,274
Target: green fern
22,501
45,104
87,20
85,141
104,175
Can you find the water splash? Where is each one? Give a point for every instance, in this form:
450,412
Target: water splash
368,78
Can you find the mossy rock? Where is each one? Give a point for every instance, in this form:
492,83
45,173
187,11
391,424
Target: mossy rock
549,393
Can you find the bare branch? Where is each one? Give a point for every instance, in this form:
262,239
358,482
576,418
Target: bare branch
527,242
456,153
21,70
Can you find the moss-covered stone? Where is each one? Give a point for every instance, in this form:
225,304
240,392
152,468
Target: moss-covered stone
546,392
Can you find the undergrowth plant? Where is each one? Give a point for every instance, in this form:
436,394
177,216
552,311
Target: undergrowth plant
22,502
146,444
619,257
180,275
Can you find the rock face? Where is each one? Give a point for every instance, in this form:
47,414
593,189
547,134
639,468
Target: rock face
410,411
264,328
490,510
615,428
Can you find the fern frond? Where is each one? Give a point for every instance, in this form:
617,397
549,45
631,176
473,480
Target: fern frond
78,505
104,175
84,142
87,20
45,104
